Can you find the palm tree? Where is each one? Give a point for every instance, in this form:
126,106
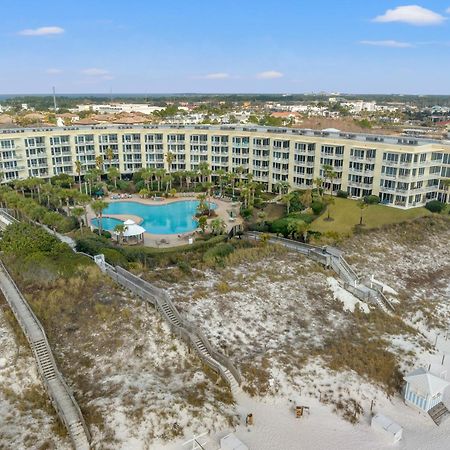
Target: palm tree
202,222
330,175
120,229
362,205
231,178
91,176
307,198
329,201
169,159
83,200
98,206
99,163
202,203
109,155
287,198
113,174
299,228
189,176
217,226
203,168
221,174
319,183
159,174
283,187
78,213
78,170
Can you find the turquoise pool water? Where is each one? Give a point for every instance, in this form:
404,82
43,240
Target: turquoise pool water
171,218
108,223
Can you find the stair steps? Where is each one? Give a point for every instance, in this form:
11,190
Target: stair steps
439,413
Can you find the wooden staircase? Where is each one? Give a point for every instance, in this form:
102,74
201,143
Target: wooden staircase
439,413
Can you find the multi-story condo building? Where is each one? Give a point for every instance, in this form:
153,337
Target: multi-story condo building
404,172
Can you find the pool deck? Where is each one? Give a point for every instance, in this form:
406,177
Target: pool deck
173,240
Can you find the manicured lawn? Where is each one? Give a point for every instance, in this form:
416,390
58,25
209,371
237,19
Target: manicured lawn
346,213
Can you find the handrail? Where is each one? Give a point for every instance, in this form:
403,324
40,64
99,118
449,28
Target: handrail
186,330
49,385
352,281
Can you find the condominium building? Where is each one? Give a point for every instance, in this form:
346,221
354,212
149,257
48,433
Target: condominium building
403,171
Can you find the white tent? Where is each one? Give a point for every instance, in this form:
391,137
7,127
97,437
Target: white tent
132,230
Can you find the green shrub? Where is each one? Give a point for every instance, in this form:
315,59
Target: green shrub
218,252
263,227
308,218
114,257
105,233
317,207
435,206
280,226
246,213
342,194
371,199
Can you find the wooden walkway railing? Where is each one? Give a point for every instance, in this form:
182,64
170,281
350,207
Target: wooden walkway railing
60,395
179,326
333,258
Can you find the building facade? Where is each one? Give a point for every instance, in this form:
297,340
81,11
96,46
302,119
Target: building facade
404,172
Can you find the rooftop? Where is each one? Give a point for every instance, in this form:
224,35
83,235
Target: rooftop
426,382
288,132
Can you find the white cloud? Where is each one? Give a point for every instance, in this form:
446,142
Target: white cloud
43,31
269,75
95,72
447,10
411,14
53,71
216,76
388,43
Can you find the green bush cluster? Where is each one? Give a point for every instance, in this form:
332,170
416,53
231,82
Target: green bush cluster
371,199
435,206
318,207
36,254
93,244
342,194
218,253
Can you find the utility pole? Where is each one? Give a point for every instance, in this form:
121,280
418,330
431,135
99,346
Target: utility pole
54,99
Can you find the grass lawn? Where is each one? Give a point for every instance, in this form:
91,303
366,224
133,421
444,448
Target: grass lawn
346,213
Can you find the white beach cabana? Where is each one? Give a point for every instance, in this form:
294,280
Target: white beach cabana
424,390
133,232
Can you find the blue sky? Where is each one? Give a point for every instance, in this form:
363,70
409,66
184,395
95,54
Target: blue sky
294,46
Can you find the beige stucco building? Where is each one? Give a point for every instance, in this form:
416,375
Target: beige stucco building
403,171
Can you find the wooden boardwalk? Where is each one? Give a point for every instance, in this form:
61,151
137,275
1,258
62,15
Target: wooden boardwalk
57,389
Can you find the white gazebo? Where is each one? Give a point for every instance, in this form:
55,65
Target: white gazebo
132,231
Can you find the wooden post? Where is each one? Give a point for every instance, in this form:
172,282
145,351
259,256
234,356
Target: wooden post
298,412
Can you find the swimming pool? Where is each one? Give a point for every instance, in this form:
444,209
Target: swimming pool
108,223
171,218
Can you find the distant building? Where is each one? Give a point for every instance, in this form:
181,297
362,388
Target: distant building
424,390
117,108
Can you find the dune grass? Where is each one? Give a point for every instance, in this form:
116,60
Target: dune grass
345,214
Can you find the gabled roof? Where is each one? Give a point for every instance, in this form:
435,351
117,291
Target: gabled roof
425,382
